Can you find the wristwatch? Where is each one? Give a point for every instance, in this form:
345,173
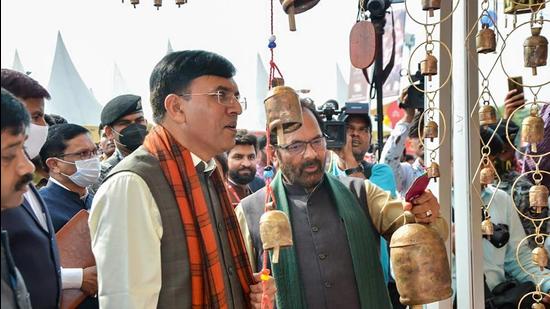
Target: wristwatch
357,169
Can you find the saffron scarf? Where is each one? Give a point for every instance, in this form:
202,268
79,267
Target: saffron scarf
207,283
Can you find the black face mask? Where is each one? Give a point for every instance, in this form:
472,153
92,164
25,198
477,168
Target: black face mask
132,136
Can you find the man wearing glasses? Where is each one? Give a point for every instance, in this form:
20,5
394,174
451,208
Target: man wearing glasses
164,233
123,122
336,224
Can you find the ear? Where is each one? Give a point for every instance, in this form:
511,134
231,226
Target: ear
274,154
109,132
52,165
174,106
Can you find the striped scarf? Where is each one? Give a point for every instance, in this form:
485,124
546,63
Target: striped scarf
207,282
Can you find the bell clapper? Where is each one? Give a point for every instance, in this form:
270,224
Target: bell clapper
291,18
280,134
275,256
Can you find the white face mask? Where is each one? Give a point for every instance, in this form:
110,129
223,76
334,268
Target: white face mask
87,172
37,139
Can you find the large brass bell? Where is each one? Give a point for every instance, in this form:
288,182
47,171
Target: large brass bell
487,176
283,111
487,115
486,41
431,130
539,255
433,171
522,6
538,197
430,6
428,66
532,129
535,50
292,7
275,232
487,228
420,264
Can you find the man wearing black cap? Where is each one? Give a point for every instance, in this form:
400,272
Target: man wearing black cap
124,123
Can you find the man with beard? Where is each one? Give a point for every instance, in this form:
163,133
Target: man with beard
241,163
17,172
124,124
336,224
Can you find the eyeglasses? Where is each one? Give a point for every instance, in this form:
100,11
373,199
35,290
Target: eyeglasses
298,148
224,98
84,155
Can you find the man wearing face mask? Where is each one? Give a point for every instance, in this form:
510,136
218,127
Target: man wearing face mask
124,123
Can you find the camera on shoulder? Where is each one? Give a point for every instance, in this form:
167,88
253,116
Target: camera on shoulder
334,128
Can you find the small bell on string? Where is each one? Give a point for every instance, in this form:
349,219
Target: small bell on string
486,40
535,50
428,66
539,255
433,171
487,176
487,115
292,7
181,2
430,6
134,3
431,130
538,197
157,4
487,228
532,129
538,306
275,232
283,111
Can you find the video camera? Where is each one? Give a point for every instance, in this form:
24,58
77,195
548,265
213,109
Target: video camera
335,130
415,98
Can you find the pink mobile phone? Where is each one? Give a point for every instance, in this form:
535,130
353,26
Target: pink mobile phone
418,187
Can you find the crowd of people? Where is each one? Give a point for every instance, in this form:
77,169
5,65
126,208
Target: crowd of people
174,207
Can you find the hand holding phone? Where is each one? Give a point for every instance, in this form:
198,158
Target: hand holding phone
515,83
516,99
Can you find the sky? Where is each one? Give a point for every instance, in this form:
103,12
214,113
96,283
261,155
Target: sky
99,34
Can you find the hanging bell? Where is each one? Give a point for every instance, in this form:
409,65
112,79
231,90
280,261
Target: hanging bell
134,3
431,130
275,232
487,115
157,4
420,263
487,228
539,255
428,66
292,7
283,111
522,6
430,6
535,50
486,41
538,306
538,197
433,171
181,2
532,129
487,176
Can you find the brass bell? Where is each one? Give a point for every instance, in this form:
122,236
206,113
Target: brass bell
538,306
487,176
487,228
431,130
486,41
522,6
181,2
535,50
428,66
431,5
283,111
532,129
538,197
292,7
275,232
134,3
539,255
420,263
433,171
157,3
487,115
